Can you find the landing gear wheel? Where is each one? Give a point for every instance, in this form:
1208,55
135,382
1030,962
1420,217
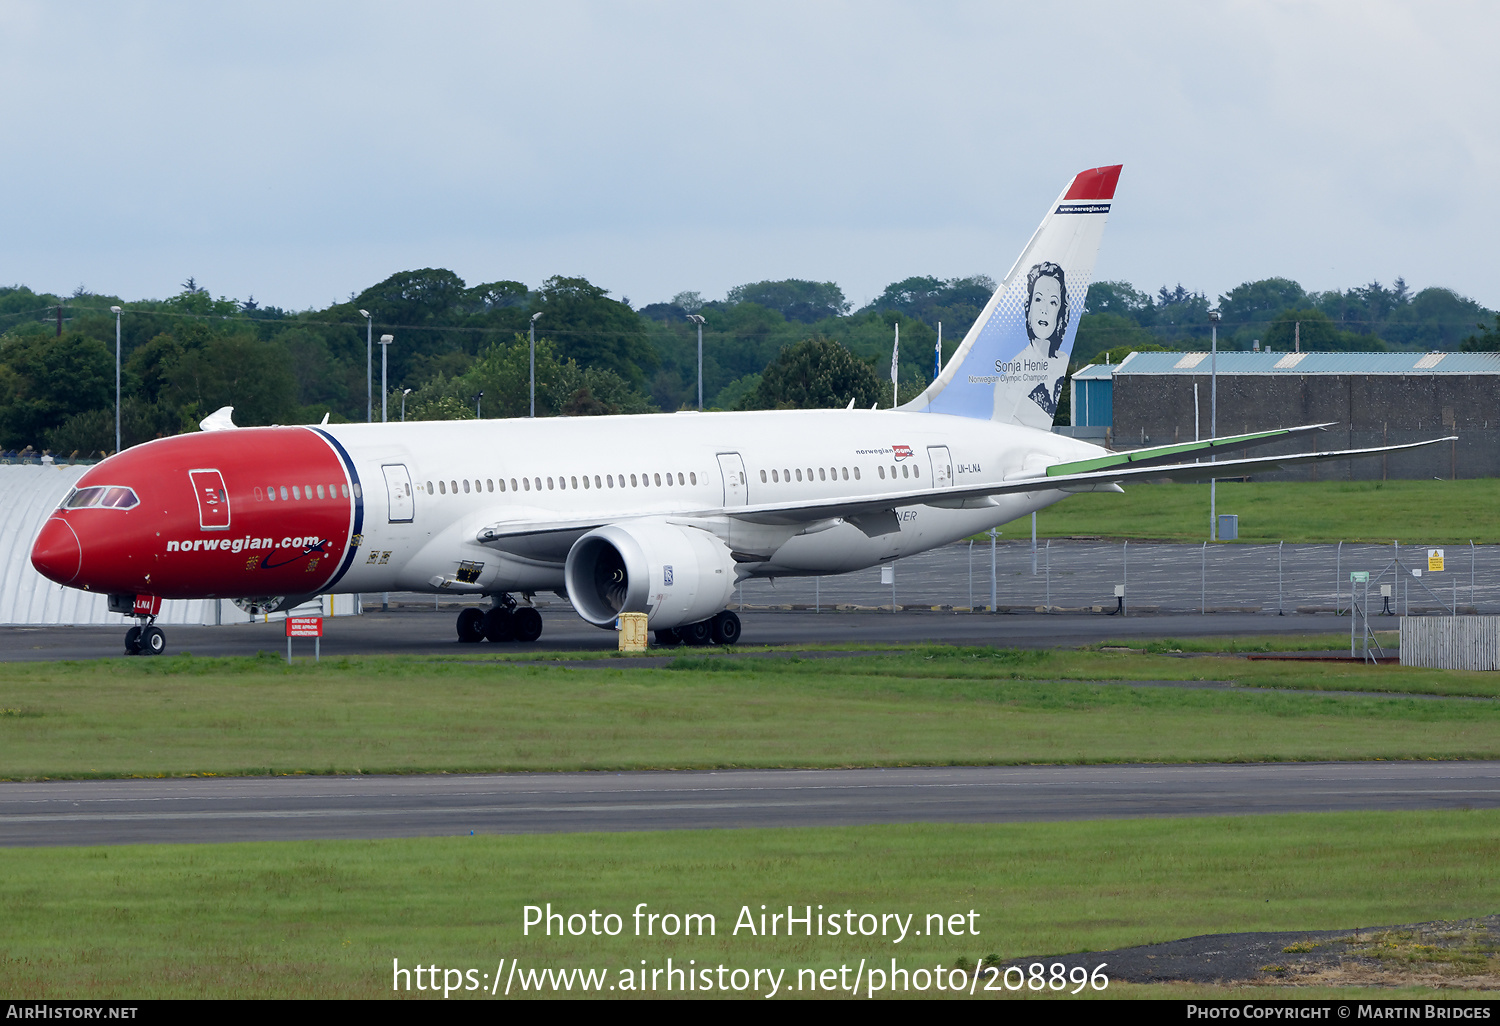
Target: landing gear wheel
499,625
133,641
695,633
153,641
668,636
471,625
725,628
527,623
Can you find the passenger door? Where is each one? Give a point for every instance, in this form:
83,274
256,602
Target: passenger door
942,466
213,499
398,489
736,487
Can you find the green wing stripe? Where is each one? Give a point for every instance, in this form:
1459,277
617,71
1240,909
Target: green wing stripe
1125,459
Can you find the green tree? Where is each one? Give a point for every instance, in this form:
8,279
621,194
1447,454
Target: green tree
51,379
1121,299
236,370
793,298
955,302
1318,334
1435,318
816,373
589,327
1256,302
503,374
1100,333
1485,340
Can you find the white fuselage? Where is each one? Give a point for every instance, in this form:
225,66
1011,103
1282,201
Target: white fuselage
571,474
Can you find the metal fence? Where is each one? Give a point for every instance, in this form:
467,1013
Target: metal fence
1073,576
1083,576
1451,642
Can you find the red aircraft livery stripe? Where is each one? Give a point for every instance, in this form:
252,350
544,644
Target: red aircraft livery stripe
1095,184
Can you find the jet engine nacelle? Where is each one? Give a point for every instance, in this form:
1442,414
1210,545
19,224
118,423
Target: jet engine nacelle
673,574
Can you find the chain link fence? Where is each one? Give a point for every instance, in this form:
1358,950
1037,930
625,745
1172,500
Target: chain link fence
1065,576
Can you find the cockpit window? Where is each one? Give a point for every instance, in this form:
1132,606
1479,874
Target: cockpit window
109,496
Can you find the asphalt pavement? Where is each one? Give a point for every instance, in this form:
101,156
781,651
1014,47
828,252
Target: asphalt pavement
423,631
88,812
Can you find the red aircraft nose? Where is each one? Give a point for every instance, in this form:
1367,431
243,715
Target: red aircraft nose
56,554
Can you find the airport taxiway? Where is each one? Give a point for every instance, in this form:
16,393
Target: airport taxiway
429,632
198,810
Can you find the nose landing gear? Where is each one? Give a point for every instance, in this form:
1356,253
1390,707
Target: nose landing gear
504,621
146,639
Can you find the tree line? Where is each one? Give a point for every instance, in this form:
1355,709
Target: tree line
770,344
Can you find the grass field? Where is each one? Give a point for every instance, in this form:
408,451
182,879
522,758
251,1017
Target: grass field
1428,512
325,919
939,705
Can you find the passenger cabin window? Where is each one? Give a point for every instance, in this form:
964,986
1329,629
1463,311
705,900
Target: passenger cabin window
882,472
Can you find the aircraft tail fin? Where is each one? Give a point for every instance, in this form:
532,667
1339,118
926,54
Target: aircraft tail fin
1011,364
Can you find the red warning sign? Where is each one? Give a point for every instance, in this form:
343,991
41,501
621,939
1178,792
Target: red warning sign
304,626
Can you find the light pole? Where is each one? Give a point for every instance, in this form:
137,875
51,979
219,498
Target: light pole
404,393
1213,425
478,406
698,320
369,366
385,341
533,363
116,311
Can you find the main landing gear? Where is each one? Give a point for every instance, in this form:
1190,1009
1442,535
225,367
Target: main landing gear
723,629
504,621
145,639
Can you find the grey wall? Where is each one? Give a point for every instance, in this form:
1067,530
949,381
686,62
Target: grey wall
1368,410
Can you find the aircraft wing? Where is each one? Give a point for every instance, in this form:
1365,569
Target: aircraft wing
1103,473
1068,477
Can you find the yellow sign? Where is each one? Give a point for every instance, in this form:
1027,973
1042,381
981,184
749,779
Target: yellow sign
632,628
1434,560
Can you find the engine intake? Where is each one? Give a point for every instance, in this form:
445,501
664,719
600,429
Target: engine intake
673,574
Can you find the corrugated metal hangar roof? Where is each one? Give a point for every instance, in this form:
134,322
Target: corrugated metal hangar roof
1298,363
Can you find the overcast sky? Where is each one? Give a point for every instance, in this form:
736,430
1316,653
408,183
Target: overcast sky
303,151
